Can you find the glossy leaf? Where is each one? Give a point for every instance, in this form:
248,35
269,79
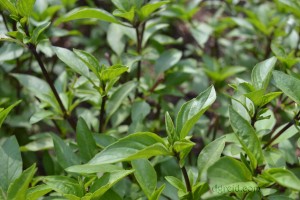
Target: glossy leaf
10,162
71,60
38,31
17,190
113,72
145,175
167,60
288,84
131,147
246,133
192,110
262,73
65,156
91,62
87,13
85,140
149,8
209,155
64,185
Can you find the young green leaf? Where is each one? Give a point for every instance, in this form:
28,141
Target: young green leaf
177,183
246,134
17,190
87,13
149,8
89,60
9,6
64,185
113,72
157,193
288,84
38,31
170,128
85,140
262,72
5,112
92,169
109,180
167,60
192,110
227,171
209,155
131,147
65,156
145,175
10,162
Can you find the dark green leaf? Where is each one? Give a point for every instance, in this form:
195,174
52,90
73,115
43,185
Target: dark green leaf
192,110
85,140
247,134
145,175
65,156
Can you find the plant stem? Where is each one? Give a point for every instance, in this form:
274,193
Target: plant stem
139,30
185,176
101,115
66,116
287,126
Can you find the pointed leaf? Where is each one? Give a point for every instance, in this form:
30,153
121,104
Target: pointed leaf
167,60
5,112
25,7
192,110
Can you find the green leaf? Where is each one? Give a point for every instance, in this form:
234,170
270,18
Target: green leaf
284,178
116,39
288,84
262,72
5,112
10,39
170,128
131,147
38,191
149,8
65,156
70,59
9,5
91,62
228,171
118,97
127,5
91,169
167,60
64,185
157,193
129,15
247,134
113,72
109,180
145,175
192,110
183,147
38,145
38,31
209,155
177,183
85,140
25,7
17,190
10,162
87,13
40,115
